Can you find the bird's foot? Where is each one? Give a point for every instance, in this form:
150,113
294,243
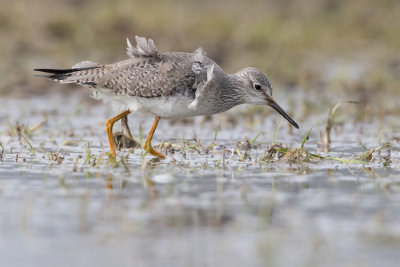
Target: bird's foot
154,152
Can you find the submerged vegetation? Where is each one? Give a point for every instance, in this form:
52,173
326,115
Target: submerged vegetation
187,150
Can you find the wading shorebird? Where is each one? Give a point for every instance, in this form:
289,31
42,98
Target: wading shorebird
167,85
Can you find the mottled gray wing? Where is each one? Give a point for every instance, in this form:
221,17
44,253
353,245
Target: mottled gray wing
147,73
147,77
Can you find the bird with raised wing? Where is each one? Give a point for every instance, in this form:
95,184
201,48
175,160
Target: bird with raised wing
167,85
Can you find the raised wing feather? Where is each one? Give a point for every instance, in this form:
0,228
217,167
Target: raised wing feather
144,48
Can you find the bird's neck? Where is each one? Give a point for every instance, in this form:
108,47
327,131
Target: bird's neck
226,93
233,89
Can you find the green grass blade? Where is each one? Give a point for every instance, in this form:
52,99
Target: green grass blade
87,158
140,134
276,129
239,154
255,138
363,146
29,144
216,133
305,138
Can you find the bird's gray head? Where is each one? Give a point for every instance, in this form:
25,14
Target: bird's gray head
256,89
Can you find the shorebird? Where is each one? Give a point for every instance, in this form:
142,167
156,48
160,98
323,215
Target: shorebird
167,85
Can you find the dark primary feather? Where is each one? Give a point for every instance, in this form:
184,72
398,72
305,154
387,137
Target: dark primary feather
59,74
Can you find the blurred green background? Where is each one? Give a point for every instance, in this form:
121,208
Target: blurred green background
348,48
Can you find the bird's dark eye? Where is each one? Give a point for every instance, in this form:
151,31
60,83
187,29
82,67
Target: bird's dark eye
257,86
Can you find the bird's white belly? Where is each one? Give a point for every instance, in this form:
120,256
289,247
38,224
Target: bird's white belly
167,107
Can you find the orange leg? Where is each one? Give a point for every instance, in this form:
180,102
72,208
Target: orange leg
147,143
109,126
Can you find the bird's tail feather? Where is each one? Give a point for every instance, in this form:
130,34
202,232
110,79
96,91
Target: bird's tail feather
83,76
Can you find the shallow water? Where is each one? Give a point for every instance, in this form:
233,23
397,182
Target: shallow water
192,209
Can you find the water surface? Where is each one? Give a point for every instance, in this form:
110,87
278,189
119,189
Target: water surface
60,205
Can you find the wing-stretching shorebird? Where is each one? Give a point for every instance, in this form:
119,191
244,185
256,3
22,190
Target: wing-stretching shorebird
167,85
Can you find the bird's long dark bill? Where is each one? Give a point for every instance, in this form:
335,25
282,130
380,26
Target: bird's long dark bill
278,108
